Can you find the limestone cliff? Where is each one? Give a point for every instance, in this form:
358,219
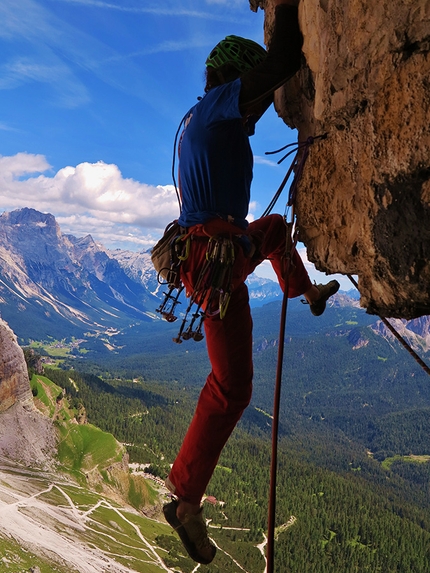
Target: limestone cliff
364,201
14,383
25,435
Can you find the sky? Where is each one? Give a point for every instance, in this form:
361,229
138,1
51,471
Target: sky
91,95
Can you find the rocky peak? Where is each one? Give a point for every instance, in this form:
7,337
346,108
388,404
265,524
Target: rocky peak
421,326
41,223
416,332
89,254
45,274
28,216
363,205
36,238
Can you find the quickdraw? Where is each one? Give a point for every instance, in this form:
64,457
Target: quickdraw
212,292
179,252
181,247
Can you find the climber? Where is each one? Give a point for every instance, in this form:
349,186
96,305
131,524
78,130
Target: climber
215,168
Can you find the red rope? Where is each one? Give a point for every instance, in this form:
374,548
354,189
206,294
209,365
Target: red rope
290,244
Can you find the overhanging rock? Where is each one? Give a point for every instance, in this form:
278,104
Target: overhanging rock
363,205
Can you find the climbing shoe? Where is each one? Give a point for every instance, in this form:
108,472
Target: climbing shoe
326,291
192,532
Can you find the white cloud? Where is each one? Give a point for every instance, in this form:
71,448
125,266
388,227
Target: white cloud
225,2
263,161
167,47
69,91
21,164
170,10
110,234
90,198
40,35
95,199
253,208
5,127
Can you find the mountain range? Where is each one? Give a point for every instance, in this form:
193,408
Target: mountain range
54,285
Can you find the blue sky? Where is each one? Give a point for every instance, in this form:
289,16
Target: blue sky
91,95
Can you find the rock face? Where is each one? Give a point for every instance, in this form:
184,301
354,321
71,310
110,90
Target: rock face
14,383
416,332
363,204
25,435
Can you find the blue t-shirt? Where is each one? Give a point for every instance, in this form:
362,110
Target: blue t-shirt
215,160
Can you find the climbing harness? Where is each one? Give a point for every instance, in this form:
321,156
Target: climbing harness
212,291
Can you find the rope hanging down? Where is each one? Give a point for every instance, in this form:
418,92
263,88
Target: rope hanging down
290,245
298,167
276,405
398,336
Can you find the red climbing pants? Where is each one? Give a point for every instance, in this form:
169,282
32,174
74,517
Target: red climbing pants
228,388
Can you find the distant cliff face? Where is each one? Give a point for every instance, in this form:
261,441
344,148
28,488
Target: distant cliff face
14,383
25,435
54,284
364,201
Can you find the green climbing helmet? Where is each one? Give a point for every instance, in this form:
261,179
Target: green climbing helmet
243,54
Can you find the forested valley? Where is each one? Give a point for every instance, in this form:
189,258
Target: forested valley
350,496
